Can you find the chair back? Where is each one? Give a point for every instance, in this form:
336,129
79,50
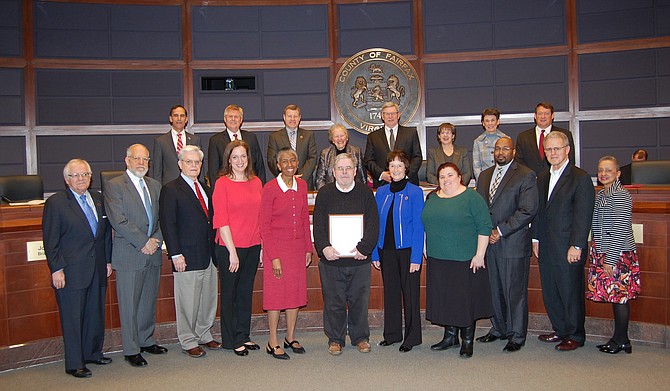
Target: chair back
650,172
106,176
21,188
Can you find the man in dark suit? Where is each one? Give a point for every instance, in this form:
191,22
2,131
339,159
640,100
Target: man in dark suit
560,232
186,224
300,140
529,150
78,245
131,201
511,190
387,138
167,146
233,116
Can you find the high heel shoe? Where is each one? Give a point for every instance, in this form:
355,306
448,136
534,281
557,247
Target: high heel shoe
270,350
615,348
610,342
294,345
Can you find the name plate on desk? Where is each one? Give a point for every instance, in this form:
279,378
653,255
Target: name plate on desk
35,251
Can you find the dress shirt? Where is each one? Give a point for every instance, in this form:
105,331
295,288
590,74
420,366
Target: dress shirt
232,136
538,130
192,184
136,182
502,176
89,201
388,135
284,188
554,175
174,138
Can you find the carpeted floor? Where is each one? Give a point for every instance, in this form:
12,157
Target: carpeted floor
536,367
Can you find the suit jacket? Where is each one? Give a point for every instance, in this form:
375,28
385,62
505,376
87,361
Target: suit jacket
130,222
324,170
461,157
565,219
217,145
69,243
185,226
528,154
305,147
164,156
512,209
377,149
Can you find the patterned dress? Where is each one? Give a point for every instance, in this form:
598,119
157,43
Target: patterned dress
613,244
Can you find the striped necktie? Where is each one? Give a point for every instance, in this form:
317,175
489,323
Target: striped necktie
180,144
496,182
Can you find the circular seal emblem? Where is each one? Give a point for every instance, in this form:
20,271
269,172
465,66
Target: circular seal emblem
369,79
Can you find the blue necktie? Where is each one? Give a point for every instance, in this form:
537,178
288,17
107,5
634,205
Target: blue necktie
147,206
90,216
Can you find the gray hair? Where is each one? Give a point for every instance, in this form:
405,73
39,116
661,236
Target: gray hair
558,135
334,128
611,159
191,148
66,169
286,150
343,156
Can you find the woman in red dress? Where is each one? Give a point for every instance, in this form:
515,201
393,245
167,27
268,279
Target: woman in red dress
287,250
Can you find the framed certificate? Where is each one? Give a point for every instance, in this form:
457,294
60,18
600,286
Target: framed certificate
345,233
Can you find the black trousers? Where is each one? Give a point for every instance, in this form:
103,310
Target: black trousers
82,319
563,295
401,290
509,293
236,294
346,296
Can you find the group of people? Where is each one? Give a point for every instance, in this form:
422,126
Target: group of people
478,243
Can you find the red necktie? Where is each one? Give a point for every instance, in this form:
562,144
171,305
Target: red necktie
201,199
541,146
235,135
180,144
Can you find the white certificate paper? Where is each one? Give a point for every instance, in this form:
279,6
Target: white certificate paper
345,233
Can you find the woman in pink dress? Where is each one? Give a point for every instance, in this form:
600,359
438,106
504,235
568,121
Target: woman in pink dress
287,250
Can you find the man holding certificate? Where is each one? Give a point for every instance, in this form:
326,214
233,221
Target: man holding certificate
346,226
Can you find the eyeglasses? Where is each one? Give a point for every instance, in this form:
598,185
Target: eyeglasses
77,175
140,158
506,149
389,114
554,149
344,169
192,162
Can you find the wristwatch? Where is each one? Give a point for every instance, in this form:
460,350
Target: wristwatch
577,248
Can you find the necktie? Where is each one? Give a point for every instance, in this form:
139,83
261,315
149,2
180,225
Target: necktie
541,144
235,135
496,182
201,199
391,140
147,206
293,140
180,144
88,211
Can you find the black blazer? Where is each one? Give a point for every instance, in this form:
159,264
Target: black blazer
164,156
528,154
513,207
377,149
217,144
187,230
69,243
565,219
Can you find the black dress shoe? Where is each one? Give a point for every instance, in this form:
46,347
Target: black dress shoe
136,360
385,343
273,352
242,352
488,338
154,349
404,348
251,345
81,372
100,361
512,347
295,346
610,342
614,348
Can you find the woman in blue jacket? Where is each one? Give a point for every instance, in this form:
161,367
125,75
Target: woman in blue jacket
399,253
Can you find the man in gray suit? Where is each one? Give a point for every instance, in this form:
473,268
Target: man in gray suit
131,201
511,190
168,145
300,140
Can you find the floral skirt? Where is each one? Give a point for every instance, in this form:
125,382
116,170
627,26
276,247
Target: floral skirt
624,285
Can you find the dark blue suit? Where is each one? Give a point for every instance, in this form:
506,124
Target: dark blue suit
70,246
